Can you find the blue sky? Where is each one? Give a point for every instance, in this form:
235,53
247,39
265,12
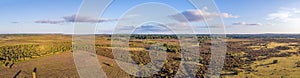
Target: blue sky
240,16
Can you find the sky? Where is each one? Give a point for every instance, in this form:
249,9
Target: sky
239,16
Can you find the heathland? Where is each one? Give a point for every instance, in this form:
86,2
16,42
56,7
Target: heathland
247,56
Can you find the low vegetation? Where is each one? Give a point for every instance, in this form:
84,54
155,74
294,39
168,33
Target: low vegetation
253,56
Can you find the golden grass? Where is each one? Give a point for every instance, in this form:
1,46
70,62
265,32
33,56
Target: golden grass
285,67
275,44
256,47
238,40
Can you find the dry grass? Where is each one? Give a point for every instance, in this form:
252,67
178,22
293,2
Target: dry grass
256,47
285,67
275,44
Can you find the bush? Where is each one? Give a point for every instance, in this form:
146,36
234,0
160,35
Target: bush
282,48
275,61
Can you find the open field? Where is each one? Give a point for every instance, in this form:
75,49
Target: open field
51,56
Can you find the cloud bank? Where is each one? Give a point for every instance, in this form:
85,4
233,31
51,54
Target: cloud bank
247,24
75,18
87,19
49,21
14,22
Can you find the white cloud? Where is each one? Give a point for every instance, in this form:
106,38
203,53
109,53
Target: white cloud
247,24
199,15
226,15
286,15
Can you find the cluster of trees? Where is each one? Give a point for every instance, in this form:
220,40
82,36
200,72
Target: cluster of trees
241,36
159,36
58,47
16,53
154,36
172,48
202,39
